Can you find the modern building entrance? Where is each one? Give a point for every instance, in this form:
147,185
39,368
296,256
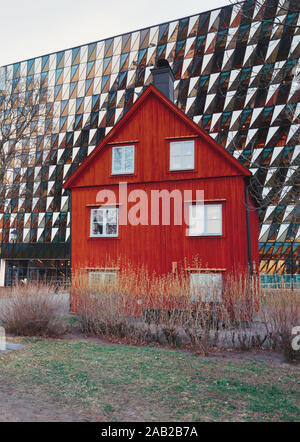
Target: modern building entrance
52,271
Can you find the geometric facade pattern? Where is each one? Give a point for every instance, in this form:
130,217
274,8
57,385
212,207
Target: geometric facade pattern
236,75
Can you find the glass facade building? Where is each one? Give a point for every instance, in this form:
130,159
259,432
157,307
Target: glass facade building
236,75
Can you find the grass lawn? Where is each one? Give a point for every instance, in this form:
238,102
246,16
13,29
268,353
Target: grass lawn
122,383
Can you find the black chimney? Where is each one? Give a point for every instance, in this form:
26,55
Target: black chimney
163,78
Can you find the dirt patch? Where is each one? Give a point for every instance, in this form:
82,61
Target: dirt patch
267,356
24,407
77,335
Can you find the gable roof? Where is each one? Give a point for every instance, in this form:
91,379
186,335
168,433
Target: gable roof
134,108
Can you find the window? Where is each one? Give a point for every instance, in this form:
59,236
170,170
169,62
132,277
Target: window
100,278
122,159
182,155
104,223
206,287
205,219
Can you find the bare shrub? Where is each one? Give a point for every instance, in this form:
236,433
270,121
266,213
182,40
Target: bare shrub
140,307
106,308
279,313
241,299
32,310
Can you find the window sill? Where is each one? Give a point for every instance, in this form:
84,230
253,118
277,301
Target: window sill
203,270
103,237
114,175
215,200
182,137
103,269
104,205
182,171
205,236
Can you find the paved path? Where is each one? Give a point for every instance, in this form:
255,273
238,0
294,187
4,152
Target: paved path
7,347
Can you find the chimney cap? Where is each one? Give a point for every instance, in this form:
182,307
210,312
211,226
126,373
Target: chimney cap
162,63
162,67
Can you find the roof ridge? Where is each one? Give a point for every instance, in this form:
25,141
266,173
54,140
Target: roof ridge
152,89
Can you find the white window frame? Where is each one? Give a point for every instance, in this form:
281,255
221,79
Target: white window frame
123,170
182,145
104,235
204,210
208,296
101,275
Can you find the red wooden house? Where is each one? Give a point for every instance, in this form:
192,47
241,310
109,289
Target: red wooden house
156,148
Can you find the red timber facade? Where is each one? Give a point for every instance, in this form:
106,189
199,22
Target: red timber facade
151,125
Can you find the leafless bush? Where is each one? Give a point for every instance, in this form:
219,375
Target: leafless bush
32,310
140,308
150,308
241,297
279,313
